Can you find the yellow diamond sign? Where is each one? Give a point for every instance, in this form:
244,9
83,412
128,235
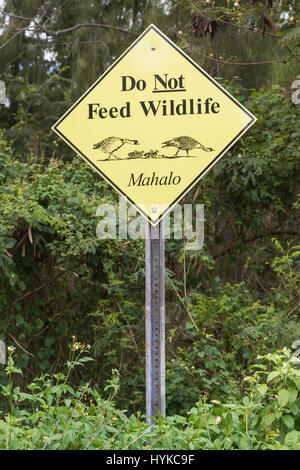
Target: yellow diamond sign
153,124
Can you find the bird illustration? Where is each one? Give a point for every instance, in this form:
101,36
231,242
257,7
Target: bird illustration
185,143
112,144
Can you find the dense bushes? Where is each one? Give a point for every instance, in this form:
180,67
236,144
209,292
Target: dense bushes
53,415
241,289
228,303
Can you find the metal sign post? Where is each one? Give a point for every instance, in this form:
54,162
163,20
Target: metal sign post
155,322
2,352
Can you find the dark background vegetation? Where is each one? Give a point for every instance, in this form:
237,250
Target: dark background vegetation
235,298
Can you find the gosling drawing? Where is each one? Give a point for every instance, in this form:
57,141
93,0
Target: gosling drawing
183,143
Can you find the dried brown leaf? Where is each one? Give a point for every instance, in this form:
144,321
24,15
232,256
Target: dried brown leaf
30,235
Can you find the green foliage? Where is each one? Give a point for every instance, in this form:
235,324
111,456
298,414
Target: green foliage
38,105
56,416
235,299
235,325
58,279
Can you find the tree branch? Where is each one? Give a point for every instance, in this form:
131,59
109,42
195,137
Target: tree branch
11,15
13,37
37,289
41,28
223,61
20,346
87,25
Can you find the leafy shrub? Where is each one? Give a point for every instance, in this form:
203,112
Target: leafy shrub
232,300
56,416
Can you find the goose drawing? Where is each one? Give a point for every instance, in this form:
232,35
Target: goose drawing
112,144
185,143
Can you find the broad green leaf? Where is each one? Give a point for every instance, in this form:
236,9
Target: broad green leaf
294,408
262,389
268,419
26,396
245,401
283,397
293,393
273,375
292,438
85,359
288,421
